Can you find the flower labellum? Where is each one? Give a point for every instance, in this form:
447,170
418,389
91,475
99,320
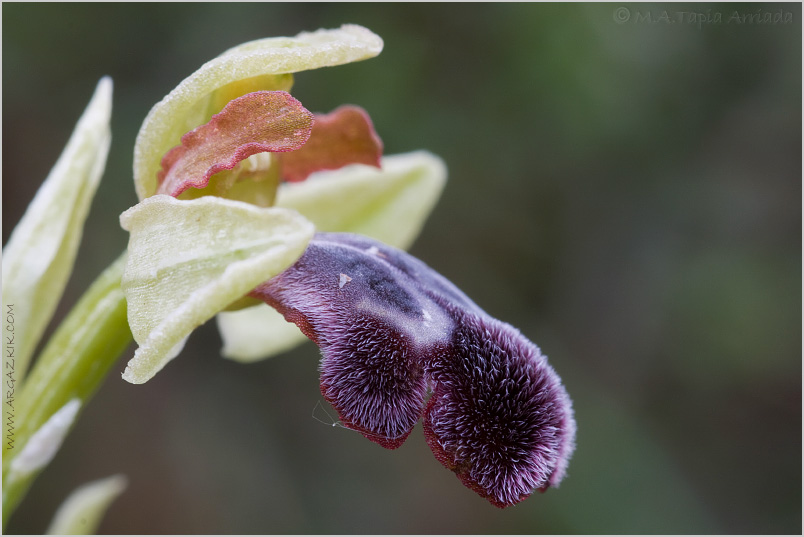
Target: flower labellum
389,328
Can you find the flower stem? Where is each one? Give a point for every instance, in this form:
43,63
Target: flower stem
72,365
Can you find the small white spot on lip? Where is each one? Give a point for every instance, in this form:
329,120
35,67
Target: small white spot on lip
344,279
426,315
373,251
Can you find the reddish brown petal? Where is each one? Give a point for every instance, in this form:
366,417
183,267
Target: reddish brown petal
254,123
344,136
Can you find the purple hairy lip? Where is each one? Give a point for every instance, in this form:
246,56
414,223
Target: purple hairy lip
389,327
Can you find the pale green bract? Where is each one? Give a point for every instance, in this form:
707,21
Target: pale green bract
188,260
42,446
189,104
389,204
40,254
81,512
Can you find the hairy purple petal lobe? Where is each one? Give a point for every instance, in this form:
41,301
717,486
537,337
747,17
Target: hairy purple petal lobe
499,416
254,123
372,324
344,136
389,327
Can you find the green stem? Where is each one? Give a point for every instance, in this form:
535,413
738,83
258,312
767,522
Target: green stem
72,365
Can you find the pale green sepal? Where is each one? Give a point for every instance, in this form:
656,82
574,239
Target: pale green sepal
40,254
255,333
188,260
390,204
82,511
189,105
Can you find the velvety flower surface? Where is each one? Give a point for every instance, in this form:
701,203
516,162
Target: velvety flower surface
499,416
389,327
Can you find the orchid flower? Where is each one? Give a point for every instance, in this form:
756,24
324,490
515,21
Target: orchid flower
259,212
389,327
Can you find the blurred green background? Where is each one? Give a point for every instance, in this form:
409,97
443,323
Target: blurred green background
628,194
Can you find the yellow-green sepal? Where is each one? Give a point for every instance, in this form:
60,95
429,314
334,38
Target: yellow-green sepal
264,64
390,203
189,260
256,333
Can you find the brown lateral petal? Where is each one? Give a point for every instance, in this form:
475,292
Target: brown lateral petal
254,123
344,136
